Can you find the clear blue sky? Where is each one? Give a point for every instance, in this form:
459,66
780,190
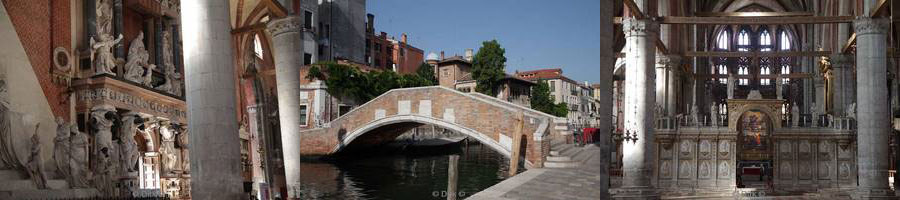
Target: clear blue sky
535,33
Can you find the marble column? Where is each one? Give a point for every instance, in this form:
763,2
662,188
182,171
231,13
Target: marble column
874,123
211,101
606,100
288,54
640,34
662,80
839,64
673,82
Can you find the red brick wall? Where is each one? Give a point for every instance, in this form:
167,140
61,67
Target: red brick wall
43,25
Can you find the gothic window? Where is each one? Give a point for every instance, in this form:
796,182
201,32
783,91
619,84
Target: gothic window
722,41
743,41
257,47
765,41
786,62
743,70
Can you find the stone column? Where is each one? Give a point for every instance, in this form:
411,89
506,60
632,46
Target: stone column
874,125
662,80
840,63
639,156
288,54
211,101
607,93
673,82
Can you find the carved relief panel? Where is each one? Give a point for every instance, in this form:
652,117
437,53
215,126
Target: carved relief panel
706,150
805,164
685,150
724,150
825,160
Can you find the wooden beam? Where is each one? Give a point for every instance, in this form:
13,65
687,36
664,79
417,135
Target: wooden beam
880,8
757,20
753,14
850,42
772,76
756,54
661,46
634,9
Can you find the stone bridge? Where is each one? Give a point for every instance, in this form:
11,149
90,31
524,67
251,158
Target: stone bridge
486,119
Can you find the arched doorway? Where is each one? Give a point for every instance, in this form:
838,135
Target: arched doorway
754,150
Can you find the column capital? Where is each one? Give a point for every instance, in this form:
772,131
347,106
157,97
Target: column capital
867,25
289,24
639,27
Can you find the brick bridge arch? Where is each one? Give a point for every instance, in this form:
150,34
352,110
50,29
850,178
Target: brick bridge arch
486,119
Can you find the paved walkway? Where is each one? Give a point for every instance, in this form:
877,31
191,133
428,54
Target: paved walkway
549,183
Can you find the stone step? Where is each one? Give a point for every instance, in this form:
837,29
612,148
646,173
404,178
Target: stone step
27,184
562,164
560,150
11,175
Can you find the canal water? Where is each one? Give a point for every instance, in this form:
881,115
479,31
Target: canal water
402,173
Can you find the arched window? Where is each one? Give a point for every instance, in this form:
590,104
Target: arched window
785,41
785,45
764,70
743,70
743,41
257,47
722,41
765,41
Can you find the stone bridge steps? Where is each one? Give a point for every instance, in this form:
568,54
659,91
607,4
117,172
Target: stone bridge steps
566,156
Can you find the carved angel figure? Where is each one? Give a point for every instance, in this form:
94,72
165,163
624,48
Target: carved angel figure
101,54
129,153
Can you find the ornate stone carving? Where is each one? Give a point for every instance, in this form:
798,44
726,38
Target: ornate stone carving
135,102
61,60
129,152
714,115
148,76
78,165
695,114
724,169
724,149
851,110
171,75
754,94
786,170
137,58
866,25
824,169
167,149
105,158
814,113
685,169
685,150
665,170
184,142
778,87
101,54
844,171
62,148
640,27
287,24
705,171
35,165
104,16
8,158
705,149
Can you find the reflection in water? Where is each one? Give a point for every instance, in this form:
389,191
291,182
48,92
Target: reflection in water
402,174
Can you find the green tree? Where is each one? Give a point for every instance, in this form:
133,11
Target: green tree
348,83
542,101
426,72
488,67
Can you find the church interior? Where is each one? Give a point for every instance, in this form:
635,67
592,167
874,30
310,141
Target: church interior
758,97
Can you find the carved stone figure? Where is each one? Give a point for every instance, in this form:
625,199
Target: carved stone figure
183,140
148,76
137,59
104,14
851,110
61,148
36,162
730,86
695,114
104,152
129,153
8,155
714,115
814,114
754,94
795,115
102,55
167,149
167,63
78,165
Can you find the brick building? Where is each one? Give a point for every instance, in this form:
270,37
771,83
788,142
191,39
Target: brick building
388,53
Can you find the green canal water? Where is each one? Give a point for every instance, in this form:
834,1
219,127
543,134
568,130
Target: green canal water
393,173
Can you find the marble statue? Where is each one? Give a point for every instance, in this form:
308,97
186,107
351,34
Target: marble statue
137,59
695,114
814,114
754,94
795,115
714,115
36,162
147,132
61,148
104,17
8,158
129,153
851,110
167,60
78,164
167,149
148,76
183,140
104,156
102,55
730,86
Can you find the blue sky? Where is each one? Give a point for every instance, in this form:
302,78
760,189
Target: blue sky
535,33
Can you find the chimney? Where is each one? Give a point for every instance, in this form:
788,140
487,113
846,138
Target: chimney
469,55
403,37
442,55
370,26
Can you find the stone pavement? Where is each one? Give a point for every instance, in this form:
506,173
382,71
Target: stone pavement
546,183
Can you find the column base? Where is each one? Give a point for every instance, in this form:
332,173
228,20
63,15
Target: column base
864,193
635,193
